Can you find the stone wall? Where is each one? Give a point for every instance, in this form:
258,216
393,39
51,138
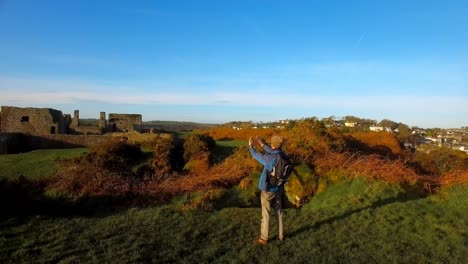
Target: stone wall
85,130
11,143
74,140
36,121
124,122
77,128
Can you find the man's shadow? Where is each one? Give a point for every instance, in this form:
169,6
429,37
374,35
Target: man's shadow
409,195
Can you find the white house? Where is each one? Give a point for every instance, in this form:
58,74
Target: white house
376,128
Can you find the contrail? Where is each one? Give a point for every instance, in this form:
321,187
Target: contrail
361,38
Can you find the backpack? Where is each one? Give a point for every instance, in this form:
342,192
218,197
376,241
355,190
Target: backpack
281,170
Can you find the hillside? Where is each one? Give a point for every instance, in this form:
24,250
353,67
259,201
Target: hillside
192,196
350,222
34,164
177,125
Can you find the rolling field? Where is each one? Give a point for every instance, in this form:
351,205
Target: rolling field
352,221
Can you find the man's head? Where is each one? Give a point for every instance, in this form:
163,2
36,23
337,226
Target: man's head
276,141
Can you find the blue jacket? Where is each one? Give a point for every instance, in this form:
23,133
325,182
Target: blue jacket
268,162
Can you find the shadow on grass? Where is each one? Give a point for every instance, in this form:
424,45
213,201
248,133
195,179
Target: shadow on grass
411,193
23,197
355,145
220,153
13,143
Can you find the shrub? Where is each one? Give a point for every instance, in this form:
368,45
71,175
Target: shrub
438,161
145,140
301,184
167,156
373,167
306,139
380,143
197,166
223,133
76,181
223,175
185,168
114,155
197,146
454,177
198,153
104,171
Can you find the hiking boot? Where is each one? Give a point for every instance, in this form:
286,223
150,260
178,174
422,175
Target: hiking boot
261,241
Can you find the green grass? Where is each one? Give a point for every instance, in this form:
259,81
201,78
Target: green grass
182,134
225,148
34,164
232,143
350,222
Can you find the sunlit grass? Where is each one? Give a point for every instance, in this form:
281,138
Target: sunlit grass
34,164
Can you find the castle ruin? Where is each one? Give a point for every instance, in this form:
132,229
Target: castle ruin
37,121
26,129
124,122
78,128
47,121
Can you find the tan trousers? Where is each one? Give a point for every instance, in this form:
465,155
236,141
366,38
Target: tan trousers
269,199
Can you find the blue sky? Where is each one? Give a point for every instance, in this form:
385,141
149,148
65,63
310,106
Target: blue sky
221,61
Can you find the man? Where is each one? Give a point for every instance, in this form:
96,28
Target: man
270,195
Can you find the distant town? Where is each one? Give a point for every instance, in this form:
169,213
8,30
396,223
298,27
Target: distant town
414,138
49,122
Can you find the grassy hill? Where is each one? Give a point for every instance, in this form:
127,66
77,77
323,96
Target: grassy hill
34,164
351,222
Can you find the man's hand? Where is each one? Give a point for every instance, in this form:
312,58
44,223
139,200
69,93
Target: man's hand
260,141
251,142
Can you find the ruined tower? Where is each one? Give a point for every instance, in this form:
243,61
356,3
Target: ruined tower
102,120
76,119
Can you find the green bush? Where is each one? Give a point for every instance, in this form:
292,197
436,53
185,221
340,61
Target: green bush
167,156
114,155
197,146
246,194
302,183
343,194
438,161
198,153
